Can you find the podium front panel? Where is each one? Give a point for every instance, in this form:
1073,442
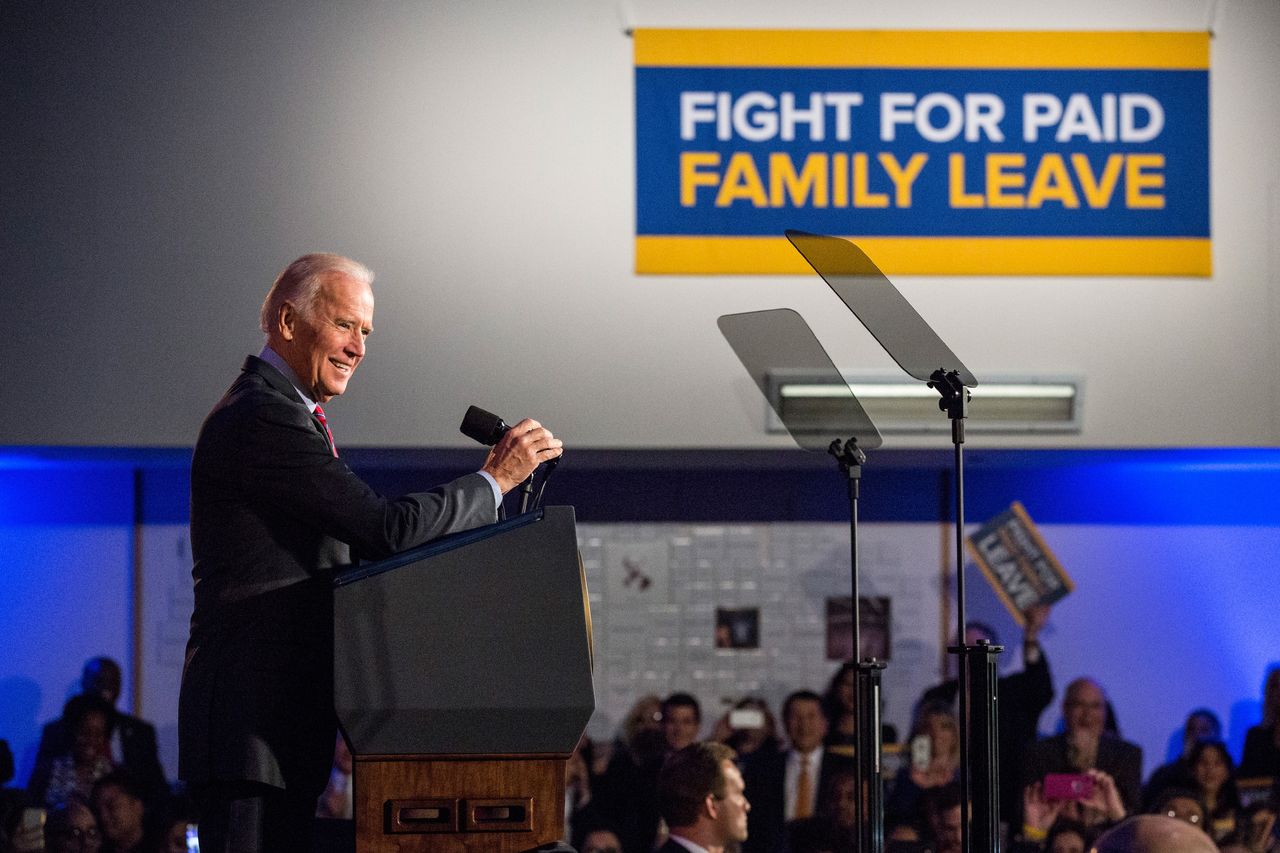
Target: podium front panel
481,649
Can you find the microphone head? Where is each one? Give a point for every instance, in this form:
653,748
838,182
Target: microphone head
484,427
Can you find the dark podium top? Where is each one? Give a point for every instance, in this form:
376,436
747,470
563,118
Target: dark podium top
475,644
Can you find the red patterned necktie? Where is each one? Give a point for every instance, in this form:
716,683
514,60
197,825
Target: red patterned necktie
324,423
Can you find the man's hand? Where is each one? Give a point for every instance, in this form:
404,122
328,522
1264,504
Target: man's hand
519,452
1036,616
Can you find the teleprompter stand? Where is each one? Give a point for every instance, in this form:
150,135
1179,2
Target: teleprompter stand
779,342
918,350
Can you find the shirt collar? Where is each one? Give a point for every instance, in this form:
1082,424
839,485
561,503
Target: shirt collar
274,359
687,844
814,758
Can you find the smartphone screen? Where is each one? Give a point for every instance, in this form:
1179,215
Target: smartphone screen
921,752
1068,786
193,839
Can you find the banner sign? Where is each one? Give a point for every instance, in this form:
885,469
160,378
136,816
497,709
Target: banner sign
940,153
1017,562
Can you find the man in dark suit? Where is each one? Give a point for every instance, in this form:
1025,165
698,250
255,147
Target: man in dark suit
273,510
1023,697
133,740
784,786
1084,745
701,797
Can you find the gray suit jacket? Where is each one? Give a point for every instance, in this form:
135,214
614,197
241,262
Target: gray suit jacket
273,511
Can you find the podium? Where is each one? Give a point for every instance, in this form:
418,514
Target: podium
462,681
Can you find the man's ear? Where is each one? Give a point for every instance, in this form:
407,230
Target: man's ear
711,807
286,321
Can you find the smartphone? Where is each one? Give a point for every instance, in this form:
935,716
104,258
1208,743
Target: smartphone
921,752
746,718
1068,786
193,838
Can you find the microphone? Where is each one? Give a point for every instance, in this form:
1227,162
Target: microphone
484,427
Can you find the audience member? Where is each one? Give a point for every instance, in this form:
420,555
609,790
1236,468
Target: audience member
749,727
86,719
783,786
1067,836
1154,834
1084,745
702,800
72,828
1202,724
1255,830
935,760
840,704
336,803
581,809
944,815
122,815
600,840
681,721
831,829
133,741
627,793
1262,742
1182,803
1215,777
1023,697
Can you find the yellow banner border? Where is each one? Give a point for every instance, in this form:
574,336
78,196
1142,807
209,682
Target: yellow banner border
1032,256
921,49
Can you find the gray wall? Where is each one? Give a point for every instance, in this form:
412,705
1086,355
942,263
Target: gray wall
165,160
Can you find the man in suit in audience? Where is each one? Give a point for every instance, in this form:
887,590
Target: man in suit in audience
701,797
1084,745
273,511
133,740
1023,697
784,786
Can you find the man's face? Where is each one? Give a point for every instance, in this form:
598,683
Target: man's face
680,726
121,814
90,739
1084,709
946,826
325,348
806,724
103,678
731,811
601,841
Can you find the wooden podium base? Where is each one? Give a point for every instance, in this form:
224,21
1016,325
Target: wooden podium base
458,804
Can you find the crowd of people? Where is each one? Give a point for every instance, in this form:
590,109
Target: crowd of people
97,783
1066,793
755,783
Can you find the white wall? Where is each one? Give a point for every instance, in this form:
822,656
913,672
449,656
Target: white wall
169,159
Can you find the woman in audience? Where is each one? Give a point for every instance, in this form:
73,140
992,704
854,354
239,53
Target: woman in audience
1215,776
1262,742
88,717
1201,724
935,761
839,704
